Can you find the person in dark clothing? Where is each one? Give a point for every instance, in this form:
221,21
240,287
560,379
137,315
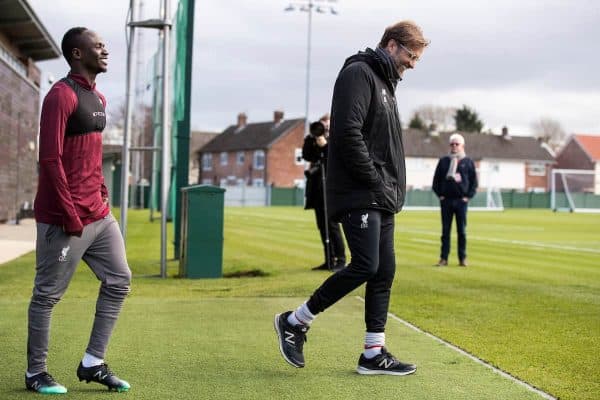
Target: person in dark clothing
314,150
73,216
455,183
366,184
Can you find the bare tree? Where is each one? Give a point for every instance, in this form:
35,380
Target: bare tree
549,131
440,116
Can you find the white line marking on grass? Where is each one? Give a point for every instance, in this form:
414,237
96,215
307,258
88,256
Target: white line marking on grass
524,243
504,374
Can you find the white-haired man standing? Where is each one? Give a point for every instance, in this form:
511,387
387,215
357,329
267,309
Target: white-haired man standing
455,183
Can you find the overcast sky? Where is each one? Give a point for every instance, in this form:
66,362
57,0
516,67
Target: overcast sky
513,61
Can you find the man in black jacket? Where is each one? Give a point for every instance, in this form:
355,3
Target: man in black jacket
314,150
455,183
366,184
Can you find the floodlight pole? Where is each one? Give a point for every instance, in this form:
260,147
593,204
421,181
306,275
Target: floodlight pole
125,156
164,25
166,142
308,6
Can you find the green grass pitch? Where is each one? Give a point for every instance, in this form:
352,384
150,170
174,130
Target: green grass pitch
529,303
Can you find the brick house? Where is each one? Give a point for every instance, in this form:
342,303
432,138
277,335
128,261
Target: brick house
197,140
256,154
23,41
582,152
503,162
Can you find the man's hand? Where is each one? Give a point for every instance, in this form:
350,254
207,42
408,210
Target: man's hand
321,141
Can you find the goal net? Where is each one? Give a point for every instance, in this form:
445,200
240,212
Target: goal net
575,190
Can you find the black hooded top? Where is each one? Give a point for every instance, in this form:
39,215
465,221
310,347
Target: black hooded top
366,167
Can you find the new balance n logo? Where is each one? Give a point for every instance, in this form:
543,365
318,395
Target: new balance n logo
289,337
386,363
100,376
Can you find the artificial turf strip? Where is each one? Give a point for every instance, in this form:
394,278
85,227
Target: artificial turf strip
225,348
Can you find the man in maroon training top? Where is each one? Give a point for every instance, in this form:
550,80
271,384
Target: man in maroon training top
73,216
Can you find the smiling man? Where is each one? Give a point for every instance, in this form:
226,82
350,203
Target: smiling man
366,184
73,216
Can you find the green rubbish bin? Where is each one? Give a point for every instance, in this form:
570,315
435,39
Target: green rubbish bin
201,254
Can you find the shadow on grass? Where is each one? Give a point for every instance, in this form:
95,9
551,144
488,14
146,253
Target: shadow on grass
252,273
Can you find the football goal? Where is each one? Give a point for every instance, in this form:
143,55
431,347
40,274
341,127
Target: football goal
575,190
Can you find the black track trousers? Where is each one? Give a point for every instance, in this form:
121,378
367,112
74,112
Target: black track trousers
370,237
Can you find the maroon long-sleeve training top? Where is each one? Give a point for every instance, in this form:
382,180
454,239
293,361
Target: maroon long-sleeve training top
71,191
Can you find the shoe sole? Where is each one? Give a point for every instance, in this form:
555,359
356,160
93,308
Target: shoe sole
280,340
366,371
119,389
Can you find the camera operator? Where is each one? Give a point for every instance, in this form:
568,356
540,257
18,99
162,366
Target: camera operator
314,150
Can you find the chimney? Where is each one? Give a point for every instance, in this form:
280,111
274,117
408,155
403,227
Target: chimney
505,134
242,120
277,116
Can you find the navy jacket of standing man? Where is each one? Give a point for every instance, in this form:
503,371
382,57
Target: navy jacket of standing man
455,183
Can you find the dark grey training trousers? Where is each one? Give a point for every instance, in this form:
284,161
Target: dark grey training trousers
102,248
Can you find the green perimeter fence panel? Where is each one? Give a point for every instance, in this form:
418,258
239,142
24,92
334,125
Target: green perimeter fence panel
421,198
202,213
287,196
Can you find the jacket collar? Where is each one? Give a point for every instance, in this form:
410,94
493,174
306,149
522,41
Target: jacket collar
81,81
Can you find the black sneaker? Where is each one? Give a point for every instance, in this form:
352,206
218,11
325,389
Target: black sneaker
291,339
322,267
383,364
102,374
44,383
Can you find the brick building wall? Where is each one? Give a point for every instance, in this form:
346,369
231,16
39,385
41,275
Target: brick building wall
19,110
282,170
572,156
535,178
232,170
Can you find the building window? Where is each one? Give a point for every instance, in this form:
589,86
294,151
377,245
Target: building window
241,158
207,181
537,169
206,161
258,182
259,159
224,157
298,156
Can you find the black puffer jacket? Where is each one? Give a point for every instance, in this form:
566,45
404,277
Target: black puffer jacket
317,156
366,166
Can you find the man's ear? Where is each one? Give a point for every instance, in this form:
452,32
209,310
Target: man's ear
76,53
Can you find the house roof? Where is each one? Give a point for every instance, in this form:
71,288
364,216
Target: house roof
477,146
590,144
251,137
22,26
199,139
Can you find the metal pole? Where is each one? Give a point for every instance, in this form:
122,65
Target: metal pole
125,156
166,143
306,123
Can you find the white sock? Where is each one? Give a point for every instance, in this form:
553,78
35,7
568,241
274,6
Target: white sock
302,316
91,361
374,341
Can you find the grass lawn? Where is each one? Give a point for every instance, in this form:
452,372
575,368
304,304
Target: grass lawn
528,303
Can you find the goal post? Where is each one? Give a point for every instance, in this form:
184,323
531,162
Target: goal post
574,190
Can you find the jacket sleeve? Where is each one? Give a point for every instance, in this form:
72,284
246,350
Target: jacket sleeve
436,186
472,180
351,101
56,109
